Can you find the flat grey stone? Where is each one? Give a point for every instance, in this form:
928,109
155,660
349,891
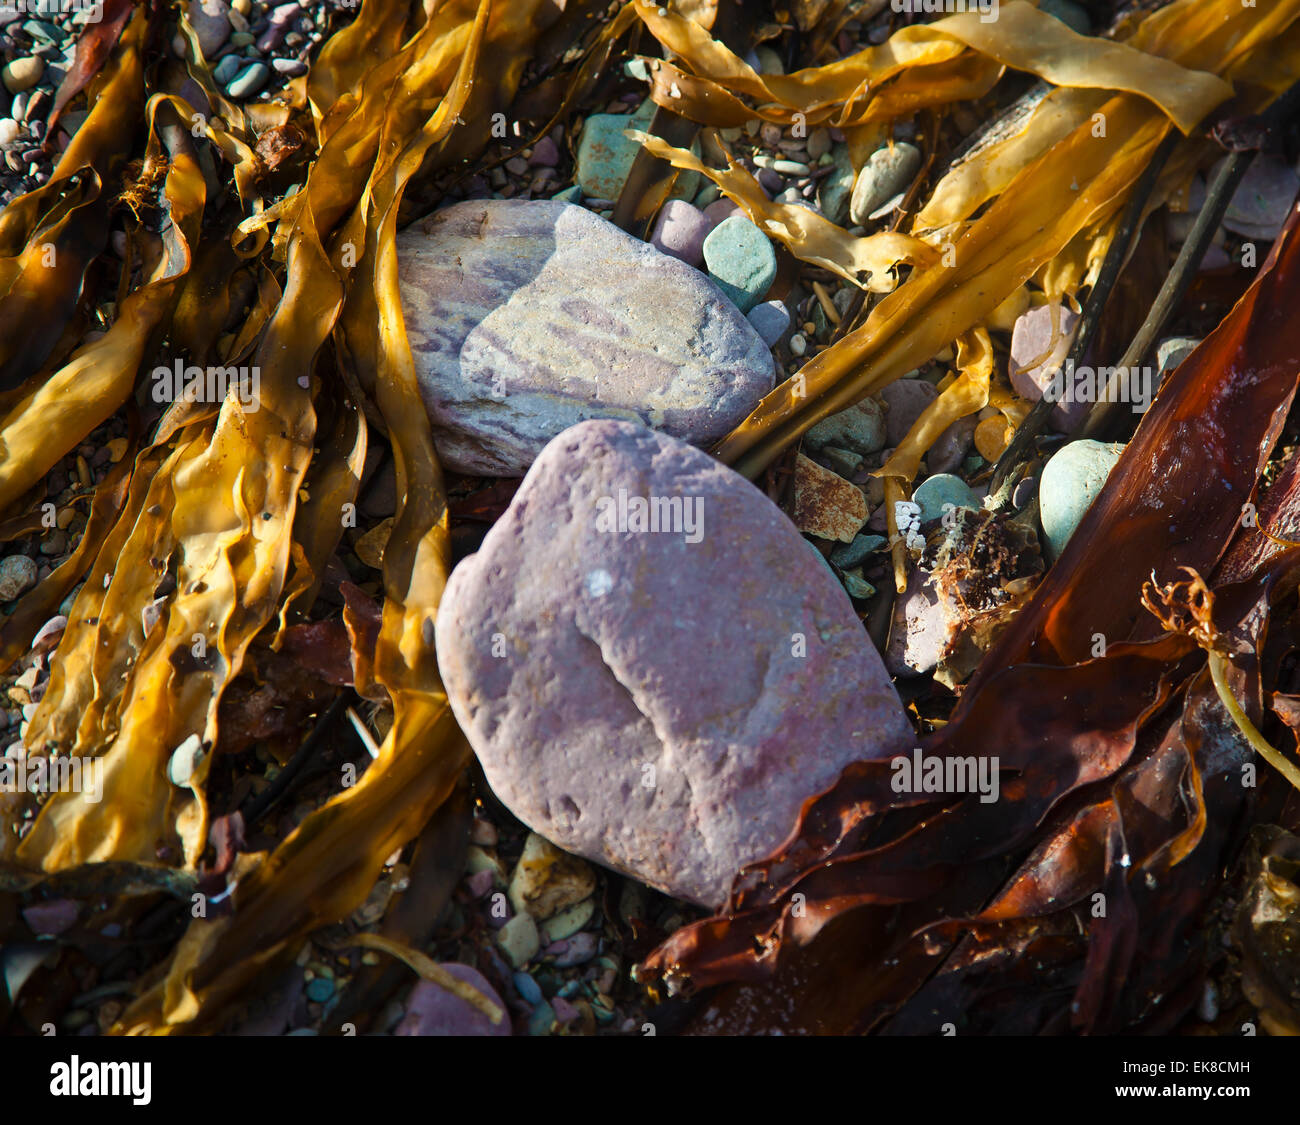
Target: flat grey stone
526,317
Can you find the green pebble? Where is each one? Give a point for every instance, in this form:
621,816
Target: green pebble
1071,481
320,990
848,555
740,261
940,490
857,586
606,155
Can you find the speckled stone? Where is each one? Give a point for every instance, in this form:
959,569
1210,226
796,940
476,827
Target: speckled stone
859,428
740,260
17,576
605,154
527,317
659,705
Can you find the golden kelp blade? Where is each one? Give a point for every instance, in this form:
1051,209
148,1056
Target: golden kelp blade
328,865
1022,38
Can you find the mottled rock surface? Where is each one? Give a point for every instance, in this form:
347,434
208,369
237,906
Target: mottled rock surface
661,702
432,1010
526,317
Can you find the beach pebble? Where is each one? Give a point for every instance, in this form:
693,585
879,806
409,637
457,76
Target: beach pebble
51,917
905,401
1172,351
936,492
568,921
771,320
680,231
211,23
924,626
950,447
836,189
23,73
856,553
547,880
719,210
546,154
677,745
1263,199
1025,490
1037,355
1069,13
740,261
432,1010
226,69
17,576
887,172
557,316
578,950
1072,480
518,940
825,504
859,428
605,155
249,81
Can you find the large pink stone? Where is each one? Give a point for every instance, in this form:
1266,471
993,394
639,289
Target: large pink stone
659,701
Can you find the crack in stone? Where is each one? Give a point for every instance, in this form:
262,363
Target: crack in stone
665,753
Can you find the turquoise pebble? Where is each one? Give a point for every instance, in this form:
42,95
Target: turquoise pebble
605,155
1069,13
741,261
320,989
226,69
854,554
942,489
249,80
528,988
1071,481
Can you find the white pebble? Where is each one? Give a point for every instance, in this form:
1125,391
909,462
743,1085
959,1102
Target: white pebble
8,130
798,345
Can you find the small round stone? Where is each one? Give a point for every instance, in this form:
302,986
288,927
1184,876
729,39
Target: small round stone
1072,480
17,576
23,73
936,493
